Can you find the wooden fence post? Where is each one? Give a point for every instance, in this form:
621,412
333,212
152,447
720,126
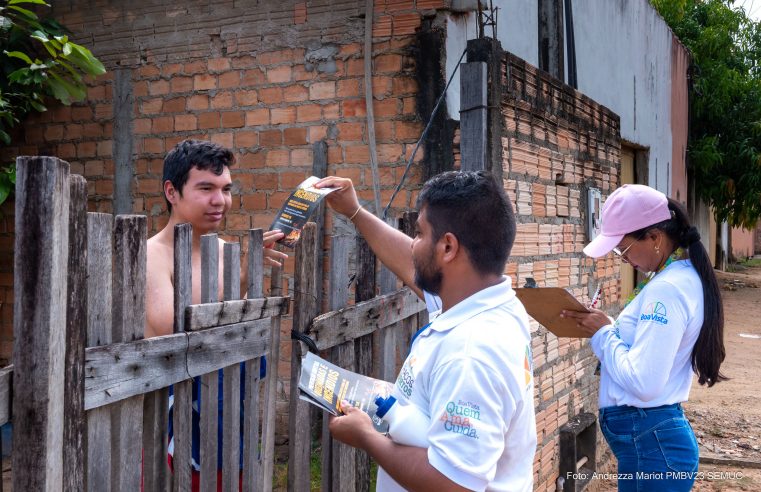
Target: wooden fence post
130,233
209,382
155,426
74,434
182,410
365,290
251,452
40,272
338,460
231,382
388,336
305,310
270,402
99,258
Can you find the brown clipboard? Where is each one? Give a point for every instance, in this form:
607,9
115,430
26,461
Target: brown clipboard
544,304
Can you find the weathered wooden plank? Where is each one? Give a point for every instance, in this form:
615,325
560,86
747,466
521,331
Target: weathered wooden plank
121,370
387,346
130,234
232,271
231,383
473,113
6,380
209,382
183,404
388,336
230,345
363,345
338,459
334,328
365,286
251,404
42,233
343,457
407,223
340,250
202,316
411,324
231,428
155,425
209,270
99,278
74,432
251,462
268,419
306,308
255,264
386,278
319,168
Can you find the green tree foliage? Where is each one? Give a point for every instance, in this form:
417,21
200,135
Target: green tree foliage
725,104
39,63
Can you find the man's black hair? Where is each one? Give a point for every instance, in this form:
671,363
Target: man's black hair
201,154
472,206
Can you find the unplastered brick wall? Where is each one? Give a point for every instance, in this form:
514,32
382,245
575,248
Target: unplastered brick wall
556,143
268,81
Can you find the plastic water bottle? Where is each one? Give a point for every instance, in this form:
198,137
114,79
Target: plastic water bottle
407,425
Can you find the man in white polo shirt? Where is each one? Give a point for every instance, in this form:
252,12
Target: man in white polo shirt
469,370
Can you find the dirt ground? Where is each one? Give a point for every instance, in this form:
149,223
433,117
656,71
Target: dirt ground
727,417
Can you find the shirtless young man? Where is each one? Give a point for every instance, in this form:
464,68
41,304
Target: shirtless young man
197,188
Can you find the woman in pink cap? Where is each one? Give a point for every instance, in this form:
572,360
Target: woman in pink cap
671,326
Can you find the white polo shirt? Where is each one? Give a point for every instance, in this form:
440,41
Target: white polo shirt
470,371
646,353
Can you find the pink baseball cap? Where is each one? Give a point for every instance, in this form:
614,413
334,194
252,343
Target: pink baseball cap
630,208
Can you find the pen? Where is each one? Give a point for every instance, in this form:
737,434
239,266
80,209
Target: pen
595,298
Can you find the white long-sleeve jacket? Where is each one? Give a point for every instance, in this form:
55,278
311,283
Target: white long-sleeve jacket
646,353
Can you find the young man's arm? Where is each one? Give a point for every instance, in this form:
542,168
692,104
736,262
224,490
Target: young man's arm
407,465
391,246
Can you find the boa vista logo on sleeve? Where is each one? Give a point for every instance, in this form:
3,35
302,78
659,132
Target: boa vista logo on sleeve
655,311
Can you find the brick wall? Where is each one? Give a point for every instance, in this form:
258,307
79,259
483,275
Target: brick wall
272,82
555,144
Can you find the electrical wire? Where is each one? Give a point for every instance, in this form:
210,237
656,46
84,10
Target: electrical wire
422,135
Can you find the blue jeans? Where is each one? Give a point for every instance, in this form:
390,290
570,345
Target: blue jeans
656,448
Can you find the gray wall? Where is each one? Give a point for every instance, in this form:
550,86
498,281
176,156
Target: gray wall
623,57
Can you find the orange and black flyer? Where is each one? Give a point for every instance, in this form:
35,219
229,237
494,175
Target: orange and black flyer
325,385
297,209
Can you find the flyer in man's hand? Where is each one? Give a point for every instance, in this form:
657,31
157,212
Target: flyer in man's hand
297,209
325,385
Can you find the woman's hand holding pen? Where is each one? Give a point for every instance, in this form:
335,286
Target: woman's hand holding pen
589,322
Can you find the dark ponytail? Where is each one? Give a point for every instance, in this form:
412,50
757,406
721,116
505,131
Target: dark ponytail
708,353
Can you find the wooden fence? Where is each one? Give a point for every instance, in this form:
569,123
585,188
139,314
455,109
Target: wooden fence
89,395
370,337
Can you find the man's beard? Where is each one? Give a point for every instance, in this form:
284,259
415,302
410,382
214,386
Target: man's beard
427,277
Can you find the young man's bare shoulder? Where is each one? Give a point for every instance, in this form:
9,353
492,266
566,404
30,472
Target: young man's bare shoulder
160,254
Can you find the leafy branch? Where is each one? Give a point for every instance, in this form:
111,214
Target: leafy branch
39,63
724,144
